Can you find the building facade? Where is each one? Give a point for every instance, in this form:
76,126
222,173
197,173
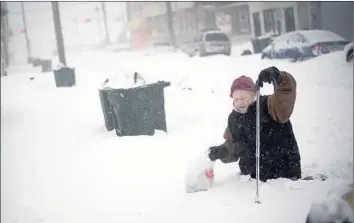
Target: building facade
272,17
241,20
334,16
152,18
283,17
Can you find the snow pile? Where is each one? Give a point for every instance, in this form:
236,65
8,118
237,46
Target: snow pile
332,208
59,164
237,49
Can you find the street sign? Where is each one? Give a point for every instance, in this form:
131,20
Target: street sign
223,22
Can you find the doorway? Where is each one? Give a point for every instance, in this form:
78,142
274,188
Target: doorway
289,19
256,24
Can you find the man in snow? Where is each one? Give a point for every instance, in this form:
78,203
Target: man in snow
279,153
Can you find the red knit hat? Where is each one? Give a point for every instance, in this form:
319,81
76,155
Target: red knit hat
243,83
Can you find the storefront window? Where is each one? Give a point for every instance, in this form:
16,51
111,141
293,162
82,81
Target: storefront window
269,20
244,21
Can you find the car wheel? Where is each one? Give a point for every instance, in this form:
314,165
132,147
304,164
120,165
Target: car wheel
350,56
299,57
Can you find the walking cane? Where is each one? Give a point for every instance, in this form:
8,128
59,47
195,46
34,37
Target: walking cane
258,126
257,143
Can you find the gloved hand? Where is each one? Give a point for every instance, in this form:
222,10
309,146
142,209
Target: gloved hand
267,76
217,152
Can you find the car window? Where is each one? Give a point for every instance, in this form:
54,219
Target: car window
216,37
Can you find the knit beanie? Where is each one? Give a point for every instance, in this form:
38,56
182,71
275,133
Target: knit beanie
243,83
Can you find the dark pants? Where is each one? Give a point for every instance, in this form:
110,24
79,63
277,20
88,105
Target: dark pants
290,170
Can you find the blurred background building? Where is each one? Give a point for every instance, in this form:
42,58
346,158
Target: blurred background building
84,23
240,20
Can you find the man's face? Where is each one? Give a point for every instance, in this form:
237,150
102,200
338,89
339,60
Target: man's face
242,99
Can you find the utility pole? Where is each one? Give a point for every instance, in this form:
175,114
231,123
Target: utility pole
99,24
170,25
58,33
104,14
127,20
128,11
196,9
28,44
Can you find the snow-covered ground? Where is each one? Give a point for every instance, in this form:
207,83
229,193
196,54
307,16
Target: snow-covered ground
58,163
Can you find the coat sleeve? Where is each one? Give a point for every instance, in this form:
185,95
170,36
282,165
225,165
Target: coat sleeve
230,154
281,103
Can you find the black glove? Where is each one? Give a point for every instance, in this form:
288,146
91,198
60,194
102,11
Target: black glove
217,152
267,76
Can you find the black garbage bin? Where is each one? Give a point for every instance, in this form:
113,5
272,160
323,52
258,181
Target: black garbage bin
106,109
65,77
255,45
139,110
46,66
259,43
156,94
263,43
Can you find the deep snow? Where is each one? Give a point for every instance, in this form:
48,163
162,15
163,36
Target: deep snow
59,164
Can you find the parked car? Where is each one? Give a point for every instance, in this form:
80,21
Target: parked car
348,50
304,44
209,42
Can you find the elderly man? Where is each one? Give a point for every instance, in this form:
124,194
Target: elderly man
279,153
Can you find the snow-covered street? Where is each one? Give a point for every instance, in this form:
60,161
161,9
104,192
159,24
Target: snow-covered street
60,165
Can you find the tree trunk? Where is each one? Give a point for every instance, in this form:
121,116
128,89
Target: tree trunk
58,33
104,14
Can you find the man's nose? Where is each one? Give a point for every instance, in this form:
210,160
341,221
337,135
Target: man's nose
242,102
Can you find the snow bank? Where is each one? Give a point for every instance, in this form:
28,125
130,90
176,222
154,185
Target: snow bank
332,208
237,49
60,165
